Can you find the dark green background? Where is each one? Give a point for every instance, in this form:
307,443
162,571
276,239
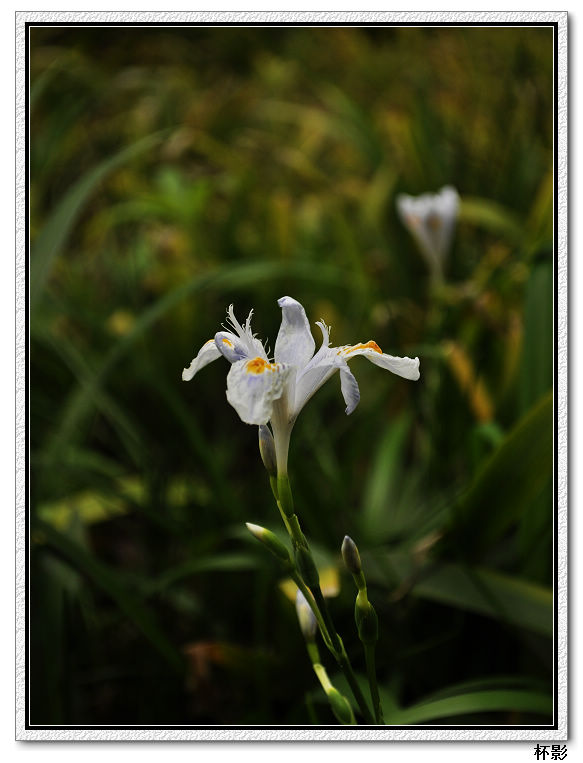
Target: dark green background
177,170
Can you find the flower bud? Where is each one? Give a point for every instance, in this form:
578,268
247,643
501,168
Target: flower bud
366,618
340,707
351,556
267,450
306,567
270,540
306,617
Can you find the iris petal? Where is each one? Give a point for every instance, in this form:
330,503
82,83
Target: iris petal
253,386
231,346
207,353
295,343
408,368
349,388
247,342
320,368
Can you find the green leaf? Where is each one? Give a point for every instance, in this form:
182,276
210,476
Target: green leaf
56,230
540,220
508,483
496,701
227,562
353,123
475,589
492,217
380,490
79,365
459,699
537,353
536,377
506,682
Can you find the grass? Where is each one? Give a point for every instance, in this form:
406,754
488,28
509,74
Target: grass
176,171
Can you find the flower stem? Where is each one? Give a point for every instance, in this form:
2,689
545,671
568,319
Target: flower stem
341,655
369,653
307,573
366,619
340,705
314,607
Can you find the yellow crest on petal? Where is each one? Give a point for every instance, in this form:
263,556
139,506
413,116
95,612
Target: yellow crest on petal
258,366
370,345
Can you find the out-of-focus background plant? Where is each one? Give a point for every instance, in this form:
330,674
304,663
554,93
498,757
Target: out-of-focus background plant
177,170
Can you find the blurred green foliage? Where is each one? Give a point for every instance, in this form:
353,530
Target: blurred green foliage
177,170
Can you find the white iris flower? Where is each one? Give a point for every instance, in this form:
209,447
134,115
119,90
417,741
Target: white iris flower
431,219
263,390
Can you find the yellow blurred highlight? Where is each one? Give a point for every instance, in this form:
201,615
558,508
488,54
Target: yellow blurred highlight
329,583
121,322
464,372
513,349
90,506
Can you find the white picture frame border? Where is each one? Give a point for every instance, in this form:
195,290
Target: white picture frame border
266,733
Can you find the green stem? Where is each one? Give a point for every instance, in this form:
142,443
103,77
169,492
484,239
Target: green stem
315,609
369,653
340,705
329,634
284,519
342,656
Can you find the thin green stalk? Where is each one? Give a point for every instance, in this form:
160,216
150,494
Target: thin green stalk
366,620
305,561
369,653
342,656
315,609
340,705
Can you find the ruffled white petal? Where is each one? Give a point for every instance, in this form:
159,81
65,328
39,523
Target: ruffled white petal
408,368
207,353
253,386
295,343
232,347
252,345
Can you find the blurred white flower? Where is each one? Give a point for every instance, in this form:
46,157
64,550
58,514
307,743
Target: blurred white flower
263,390
431,219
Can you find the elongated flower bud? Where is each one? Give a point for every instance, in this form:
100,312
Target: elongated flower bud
352,561
340,707
270,540
306,617
366,618
267,450
351,556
